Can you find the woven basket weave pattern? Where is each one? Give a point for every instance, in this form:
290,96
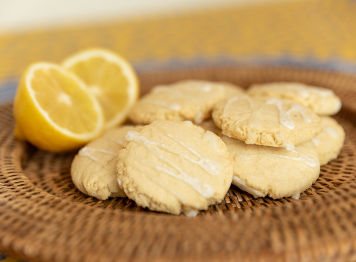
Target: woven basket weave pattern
44,218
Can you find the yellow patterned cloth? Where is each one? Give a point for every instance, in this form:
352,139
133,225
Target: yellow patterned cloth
315,33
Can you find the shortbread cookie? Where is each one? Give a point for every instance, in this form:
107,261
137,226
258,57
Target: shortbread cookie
269,122
274,172
175,167
329,141
94,167
185,100
322,101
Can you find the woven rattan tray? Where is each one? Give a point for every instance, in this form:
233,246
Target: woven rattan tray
44,218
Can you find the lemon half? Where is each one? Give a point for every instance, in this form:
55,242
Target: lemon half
110,78
53,109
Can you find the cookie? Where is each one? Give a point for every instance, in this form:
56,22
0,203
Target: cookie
329,141
268,122
274,172
174,167
94,167
185,100
210,125
322,101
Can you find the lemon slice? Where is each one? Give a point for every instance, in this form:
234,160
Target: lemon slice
110,78
53,109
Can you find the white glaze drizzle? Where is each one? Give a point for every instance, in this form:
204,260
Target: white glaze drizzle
302,157
119,182
101,151
338,105
300,109
210,166
85,151
204,189
242,185
229,102
316,141
305,93
158,182
309,161
296,196
331,131
191,213
206,88
284,116
289,147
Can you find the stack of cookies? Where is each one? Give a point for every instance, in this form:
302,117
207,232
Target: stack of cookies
193,139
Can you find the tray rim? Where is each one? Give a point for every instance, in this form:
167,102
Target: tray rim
232,215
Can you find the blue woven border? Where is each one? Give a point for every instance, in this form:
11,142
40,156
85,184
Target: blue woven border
8,87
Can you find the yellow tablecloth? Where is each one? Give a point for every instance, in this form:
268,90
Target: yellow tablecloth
314,33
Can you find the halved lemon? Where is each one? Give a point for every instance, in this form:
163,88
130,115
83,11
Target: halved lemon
110,78
18,133
53,109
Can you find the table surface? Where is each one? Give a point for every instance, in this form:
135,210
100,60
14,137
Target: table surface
310,34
